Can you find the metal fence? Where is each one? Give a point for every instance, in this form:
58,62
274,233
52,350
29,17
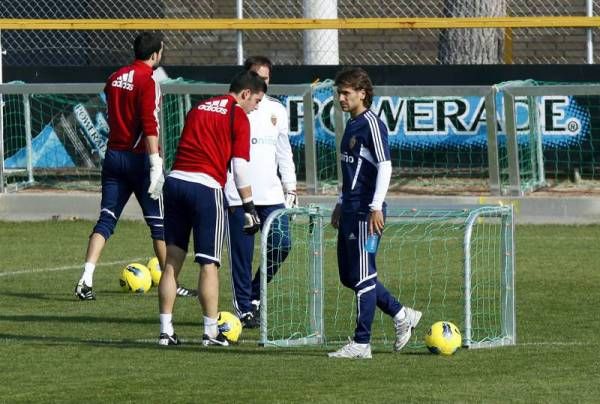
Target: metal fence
485,140
348,46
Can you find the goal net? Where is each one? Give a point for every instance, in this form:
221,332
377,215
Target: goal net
451,264
551,135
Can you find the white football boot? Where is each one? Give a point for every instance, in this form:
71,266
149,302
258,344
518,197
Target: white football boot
352,350
405,326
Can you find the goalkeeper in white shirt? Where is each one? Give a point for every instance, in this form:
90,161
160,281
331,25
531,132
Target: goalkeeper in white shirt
273,182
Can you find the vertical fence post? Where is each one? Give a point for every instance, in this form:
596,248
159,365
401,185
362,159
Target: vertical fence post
239,35
492,140
1,136
590,34
310,153
1,124
181,110
535,130
188,105
338,116
1,141
29,148
512,145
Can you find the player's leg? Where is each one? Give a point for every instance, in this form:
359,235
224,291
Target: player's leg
241,253
160,250
167,293
357,273
208,292
405,318
115,194
177,236
153,211
364,278
209,221
278,244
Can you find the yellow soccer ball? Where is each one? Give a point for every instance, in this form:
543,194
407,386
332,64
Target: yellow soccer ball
135,278
230,326
443,338
155,270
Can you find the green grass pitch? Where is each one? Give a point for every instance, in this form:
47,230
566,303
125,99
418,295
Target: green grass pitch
54,348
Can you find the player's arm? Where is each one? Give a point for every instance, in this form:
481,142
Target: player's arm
381,151
149,104
285,160
240,169
241,177
148,107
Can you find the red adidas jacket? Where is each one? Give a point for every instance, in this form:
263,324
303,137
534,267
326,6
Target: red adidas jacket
133,99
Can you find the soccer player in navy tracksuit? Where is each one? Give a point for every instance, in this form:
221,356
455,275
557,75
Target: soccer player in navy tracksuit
360,212
132,163
216,136
273,187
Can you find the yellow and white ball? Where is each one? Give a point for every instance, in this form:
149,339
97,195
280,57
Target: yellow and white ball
443,338
155,270
230,326
135,278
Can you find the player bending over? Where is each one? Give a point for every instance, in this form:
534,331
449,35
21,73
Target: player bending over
216,132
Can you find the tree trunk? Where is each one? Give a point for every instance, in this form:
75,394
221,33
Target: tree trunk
472,46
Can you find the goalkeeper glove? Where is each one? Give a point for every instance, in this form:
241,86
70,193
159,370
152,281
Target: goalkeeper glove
157,179
291,199
251,219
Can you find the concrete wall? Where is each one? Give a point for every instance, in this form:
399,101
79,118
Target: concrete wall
531,209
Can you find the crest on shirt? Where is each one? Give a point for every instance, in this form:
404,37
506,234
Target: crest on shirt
352,142
274,120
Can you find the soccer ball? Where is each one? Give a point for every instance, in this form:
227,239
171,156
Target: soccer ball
229,325
135,278
155,270
443,338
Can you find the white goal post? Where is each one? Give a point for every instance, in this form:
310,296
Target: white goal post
453,264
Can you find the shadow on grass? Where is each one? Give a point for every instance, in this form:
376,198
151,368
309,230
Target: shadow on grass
39,296
70,296
187,346
85,319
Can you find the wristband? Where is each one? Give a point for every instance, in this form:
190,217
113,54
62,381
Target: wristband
249,207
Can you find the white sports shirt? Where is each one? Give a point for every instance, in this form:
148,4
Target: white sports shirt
270,153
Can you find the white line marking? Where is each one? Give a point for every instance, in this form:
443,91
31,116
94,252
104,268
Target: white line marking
65,268
555,343
154,341
198,341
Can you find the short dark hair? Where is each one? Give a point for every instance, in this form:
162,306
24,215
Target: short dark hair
146,43
258,61
358,79
247,80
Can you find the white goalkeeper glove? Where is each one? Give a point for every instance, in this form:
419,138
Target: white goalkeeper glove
251,219
291,199
157,178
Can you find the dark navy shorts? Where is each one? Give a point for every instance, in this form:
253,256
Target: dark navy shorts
190,206
125,173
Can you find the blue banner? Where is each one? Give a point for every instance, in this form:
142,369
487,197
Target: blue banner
436,123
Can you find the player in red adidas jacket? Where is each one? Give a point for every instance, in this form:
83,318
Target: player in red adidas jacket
132,163
216,136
